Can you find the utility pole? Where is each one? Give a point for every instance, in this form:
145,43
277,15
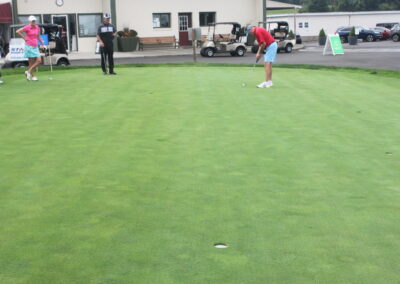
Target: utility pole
264,13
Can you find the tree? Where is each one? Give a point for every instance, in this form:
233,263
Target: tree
317,5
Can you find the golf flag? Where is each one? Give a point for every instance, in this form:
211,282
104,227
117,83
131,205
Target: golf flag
334,43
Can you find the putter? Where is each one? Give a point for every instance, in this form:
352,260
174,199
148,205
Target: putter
51,64
252,73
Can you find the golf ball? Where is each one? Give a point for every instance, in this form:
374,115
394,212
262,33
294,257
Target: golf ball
244,85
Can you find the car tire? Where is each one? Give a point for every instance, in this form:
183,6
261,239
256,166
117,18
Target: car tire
62,62
370,38
20,64
288,48
209,52
240,51
396,37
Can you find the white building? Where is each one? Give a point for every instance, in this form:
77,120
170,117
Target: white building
309,24
150,18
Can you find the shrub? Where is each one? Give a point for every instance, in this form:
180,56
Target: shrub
322,33
291,34
132,33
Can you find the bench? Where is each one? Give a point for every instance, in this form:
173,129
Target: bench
166,41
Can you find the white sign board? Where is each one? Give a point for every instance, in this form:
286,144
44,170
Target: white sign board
17,47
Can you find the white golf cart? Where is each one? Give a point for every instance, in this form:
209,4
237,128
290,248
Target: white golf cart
220,40
56,54
280,32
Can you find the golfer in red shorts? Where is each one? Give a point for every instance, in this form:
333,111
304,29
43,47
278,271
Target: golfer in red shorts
266,42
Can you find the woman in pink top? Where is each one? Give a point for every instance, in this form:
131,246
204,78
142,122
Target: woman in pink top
31,34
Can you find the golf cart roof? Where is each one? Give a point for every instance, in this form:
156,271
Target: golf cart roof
236,24
46,26
281,23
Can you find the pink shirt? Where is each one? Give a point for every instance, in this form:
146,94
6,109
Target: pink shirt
31,35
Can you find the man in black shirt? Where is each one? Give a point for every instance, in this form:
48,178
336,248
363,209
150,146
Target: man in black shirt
105,36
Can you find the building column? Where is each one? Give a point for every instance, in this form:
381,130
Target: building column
15,11
113,8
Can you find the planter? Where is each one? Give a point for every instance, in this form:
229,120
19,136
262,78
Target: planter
353,40
322,40
115,44
127,43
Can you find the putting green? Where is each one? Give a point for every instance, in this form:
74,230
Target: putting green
133,178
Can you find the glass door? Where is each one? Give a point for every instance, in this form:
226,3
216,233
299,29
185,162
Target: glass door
62,20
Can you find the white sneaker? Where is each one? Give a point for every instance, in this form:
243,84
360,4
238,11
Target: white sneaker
1,82
270,83
34,78
28,75
265,85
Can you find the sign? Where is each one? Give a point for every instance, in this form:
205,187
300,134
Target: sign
197,33
17,48
333,43
45,39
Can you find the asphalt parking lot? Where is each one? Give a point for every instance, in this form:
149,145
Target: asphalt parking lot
374,55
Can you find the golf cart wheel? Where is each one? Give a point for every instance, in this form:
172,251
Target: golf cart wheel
209,52
370,38
20,64
396,37
288,48
240,51
202,52
62,62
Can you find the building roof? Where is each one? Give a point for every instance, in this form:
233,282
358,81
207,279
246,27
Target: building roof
275,5
333,14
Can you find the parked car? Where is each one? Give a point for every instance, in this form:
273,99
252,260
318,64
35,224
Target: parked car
387,25
384,32
395,33
361,32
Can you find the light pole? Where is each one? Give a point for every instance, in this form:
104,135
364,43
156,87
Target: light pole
264,14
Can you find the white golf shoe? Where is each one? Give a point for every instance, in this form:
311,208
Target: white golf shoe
34,78
28,75
265,85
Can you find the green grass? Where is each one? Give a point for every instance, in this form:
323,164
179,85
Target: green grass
133,178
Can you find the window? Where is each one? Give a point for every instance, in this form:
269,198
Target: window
23,19
161,20
206,18
306,24
300,25
88,24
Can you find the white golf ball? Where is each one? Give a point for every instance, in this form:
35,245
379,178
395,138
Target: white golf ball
244,85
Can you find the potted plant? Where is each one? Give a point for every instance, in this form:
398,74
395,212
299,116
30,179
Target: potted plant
322,37
291,35
127,40
353,39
